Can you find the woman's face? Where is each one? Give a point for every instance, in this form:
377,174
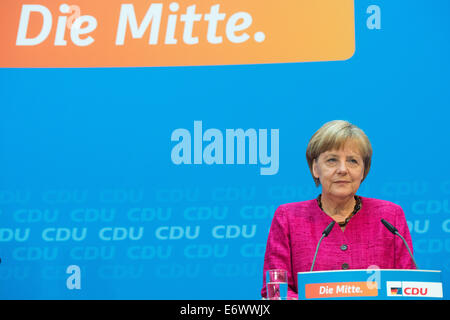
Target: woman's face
340,171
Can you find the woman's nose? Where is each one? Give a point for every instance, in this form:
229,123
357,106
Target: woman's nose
342,167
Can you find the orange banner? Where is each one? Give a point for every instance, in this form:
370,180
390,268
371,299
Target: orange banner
341,289
126,33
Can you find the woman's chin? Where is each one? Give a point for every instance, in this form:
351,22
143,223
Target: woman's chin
342,194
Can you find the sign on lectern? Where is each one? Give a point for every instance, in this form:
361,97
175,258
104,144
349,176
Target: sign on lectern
376,284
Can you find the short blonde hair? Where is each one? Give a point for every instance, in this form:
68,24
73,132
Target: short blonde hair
332,136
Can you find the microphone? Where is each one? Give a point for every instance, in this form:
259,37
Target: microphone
394,230
325,233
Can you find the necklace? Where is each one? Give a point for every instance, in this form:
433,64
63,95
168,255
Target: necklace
355,209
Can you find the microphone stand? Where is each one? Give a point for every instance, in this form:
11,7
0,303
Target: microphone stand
325,233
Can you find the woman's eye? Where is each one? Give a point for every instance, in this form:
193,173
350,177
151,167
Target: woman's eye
331,160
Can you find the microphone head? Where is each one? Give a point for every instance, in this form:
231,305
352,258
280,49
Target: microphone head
389,226
327,231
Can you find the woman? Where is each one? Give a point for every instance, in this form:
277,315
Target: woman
339,157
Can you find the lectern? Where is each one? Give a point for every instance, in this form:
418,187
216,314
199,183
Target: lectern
377,284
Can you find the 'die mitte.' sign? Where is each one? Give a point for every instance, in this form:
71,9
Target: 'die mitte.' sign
140,33
341,289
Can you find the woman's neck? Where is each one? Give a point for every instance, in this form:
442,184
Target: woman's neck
338,206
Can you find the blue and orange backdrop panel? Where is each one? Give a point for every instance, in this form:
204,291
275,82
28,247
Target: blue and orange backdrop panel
145,145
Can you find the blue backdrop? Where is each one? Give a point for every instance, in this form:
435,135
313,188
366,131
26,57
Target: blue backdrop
87,178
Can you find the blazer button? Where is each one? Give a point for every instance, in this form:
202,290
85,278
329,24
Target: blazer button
344,266
344,247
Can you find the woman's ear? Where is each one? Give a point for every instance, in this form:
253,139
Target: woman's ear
314,169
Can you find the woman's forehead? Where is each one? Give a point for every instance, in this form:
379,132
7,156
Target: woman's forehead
350,147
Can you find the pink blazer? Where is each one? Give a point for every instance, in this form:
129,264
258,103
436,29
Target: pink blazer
297,227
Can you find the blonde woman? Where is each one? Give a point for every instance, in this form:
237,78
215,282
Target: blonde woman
339,158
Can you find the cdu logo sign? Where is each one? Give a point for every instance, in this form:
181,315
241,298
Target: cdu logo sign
414,289
133,33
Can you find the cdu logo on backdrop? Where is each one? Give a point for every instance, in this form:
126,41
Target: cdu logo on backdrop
140,33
